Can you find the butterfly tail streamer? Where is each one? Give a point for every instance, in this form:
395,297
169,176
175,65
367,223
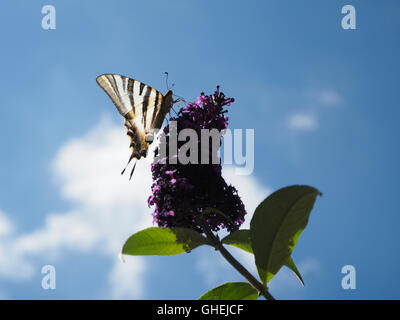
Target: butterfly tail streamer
130,159
133,169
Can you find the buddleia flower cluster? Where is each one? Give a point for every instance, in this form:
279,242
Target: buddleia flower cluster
195,195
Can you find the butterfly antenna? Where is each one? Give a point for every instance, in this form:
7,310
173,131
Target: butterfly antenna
166,80
133,169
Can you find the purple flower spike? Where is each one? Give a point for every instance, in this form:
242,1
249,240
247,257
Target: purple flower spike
182,193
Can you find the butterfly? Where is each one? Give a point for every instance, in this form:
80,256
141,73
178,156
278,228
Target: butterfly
143,108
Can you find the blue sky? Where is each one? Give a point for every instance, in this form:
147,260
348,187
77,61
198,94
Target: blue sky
322,101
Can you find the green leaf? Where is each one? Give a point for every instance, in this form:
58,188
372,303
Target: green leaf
242,239
231,291
290,264
163,241
277,224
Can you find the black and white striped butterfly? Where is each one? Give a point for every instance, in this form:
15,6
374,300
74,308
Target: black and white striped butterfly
143,108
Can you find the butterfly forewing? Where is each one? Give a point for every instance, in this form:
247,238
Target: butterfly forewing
143,107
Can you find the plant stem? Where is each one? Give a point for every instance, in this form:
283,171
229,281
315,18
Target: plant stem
237,265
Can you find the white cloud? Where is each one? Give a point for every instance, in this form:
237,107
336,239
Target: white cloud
315,101
304,122
6,226
60,230
12,264
125,279
107,209
326,97
309,266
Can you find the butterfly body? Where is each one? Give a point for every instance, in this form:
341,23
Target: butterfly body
143,108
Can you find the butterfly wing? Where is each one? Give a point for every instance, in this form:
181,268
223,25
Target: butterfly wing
119,89
148,108
143,108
